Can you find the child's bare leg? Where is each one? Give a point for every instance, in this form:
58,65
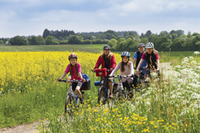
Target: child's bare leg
78,91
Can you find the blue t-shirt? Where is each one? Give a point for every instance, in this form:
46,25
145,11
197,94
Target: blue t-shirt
144,62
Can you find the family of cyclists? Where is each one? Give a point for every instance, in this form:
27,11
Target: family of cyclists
148,59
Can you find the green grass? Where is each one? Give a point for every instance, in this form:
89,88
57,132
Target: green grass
81,47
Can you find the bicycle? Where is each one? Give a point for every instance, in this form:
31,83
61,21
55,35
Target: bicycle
120,92
72,101
103,91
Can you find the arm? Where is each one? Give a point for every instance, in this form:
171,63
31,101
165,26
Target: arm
134,60
132,71
98,62
116,69
158,64
114,62
62,76
139,65
79,73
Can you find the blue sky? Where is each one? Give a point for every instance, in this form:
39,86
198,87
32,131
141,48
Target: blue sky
31,17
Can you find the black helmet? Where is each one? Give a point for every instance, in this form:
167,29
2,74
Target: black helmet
141,45
106,47
125,53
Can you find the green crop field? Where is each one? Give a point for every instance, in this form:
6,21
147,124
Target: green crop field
87,47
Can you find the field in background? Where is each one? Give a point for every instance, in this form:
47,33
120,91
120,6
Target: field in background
173,57
88,47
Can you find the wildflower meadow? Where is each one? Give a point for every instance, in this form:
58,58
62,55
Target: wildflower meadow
29,91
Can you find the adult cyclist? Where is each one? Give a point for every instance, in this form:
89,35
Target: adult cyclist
152,58
138,55
107,60
136,58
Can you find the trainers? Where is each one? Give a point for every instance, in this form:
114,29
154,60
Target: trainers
111,96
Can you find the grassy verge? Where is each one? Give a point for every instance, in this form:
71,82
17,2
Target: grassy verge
81,47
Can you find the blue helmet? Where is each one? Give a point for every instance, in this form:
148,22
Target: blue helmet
125,53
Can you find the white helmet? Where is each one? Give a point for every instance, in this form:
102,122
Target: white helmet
149,45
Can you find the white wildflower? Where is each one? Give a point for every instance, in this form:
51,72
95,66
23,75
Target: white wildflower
194,85
196,52
191,58
193,63
52,95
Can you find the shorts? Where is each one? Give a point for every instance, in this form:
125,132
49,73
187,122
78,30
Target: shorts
74,85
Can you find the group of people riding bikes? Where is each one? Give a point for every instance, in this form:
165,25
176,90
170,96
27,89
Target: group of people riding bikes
148,59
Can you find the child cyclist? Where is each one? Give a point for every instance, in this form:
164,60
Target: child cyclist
74,69
107,60
126,68
152,58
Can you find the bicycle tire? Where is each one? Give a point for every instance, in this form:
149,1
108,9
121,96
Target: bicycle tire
68,104
101,95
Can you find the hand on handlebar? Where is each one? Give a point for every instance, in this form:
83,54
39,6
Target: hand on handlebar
58,79
137,71
83,80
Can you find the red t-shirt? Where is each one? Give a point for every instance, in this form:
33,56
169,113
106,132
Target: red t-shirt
143,56
74,71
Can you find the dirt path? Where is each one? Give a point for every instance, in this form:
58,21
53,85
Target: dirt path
33,127
24,128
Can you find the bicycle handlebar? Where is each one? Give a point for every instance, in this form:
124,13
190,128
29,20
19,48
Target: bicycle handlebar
141,68
122,76
70,81
95,71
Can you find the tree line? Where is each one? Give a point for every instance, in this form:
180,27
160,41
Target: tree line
175,40
172,41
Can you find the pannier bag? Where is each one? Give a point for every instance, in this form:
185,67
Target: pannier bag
101,72
86,84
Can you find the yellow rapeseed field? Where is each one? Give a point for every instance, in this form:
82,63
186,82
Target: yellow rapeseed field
17,68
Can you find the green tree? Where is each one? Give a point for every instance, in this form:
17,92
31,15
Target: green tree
87,41
144,40
40,40
74,40
148,33
18,40
112,43
46,33
49,40
1,41
33,40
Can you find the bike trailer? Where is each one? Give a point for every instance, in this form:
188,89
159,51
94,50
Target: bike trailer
101,72
86,85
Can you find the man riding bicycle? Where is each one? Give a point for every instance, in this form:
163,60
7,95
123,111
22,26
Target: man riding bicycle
107,60
138,55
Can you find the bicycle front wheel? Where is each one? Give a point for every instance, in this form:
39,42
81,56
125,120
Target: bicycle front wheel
68,104
101,95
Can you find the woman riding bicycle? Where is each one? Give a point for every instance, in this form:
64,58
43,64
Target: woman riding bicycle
126,68
74,69
107,60
152,58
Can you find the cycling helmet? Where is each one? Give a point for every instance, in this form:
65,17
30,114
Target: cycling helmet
72,56
149,45
141,45
106,47
125,53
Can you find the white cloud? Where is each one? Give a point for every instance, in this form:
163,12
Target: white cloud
28,17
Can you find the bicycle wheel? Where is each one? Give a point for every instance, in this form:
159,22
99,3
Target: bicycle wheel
120,95
101,95
68,104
